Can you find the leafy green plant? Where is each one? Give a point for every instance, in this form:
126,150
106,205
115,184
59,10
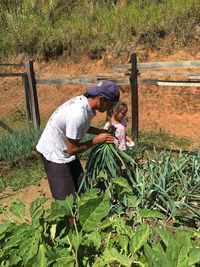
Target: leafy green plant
92,238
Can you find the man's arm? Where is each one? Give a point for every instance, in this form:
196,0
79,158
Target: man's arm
75,146
95,131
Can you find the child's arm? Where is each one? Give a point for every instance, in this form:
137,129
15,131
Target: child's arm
129,141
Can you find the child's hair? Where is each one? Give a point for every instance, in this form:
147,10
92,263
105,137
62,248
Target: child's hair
120,105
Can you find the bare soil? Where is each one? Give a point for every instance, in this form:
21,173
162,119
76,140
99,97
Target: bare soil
175,110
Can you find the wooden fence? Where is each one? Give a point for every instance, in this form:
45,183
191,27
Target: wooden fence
133,74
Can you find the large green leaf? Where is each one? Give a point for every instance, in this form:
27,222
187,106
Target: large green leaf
155,257
36,204
37,215
178,251
93,238
146,213
41,260
167,237
18,208
76,240
4,228
150,257
133,201
194,256
28,247
112,255
122,183
123,242
64,261
87,196
61,256
14,259
60,209
93,211
17,235
140,237
177,248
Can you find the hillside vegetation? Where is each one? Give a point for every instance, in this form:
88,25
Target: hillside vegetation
50,29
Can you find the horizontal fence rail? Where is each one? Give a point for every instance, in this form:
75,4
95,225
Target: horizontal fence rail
161,65
179,83
166,74
194,77
11,65
12,74
66,81
119,82
75,75
80,81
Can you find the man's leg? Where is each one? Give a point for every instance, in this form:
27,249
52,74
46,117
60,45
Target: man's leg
60,179
76,172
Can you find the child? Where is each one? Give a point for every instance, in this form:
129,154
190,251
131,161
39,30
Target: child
117,119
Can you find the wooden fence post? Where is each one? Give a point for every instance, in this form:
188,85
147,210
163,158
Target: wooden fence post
33,94
134,96
27,101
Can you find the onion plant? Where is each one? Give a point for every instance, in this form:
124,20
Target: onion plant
106,162
161,181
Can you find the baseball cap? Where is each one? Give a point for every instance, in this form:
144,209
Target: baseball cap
107,89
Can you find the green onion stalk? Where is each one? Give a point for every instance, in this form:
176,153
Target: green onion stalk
106,162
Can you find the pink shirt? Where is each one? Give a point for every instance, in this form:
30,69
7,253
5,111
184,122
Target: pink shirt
120,135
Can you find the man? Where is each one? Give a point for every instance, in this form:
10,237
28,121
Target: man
60,141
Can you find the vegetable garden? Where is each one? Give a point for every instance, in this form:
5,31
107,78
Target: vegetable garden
139,208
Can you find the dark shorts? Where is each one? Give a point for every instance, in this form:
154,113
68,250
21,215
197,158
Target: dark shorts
64,179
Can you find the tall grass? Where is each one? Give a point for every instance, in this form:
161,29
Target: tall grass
19,145
55,28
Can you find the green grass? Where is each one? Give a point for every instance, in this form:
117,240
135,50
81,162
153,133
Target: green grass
163,140
72,28
21,176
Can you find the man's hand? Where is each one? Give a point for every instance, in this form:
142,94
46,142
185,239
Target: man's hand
74,146
103,138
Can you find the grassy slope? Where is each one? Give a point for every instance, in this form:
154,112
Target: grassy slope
71,29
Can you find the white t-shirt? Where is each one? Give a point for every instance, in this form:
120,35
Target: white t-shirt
72,120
